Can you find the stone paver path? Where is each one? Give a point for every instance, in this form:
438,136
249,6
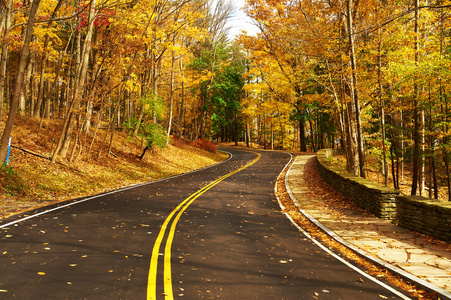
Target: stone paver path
377,237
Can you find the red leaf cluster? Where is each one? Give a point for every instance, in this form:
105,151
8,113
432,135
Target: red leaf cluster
204,145
177,142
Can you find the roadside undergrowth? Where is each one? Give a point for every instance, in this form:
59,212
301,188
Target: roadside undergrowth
314,231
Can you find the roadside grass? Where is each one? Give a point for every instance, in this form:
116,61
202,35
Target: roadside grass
30,181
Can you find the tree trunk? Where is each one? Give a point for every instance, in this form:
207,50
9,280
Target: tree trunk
79,83
248,136
4,58
354,91
171,96
416,133
19,81
37,109
182,103
236,130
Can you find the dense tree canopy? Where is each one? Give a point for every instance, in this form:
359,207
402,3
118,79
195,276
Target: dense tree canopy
378,69
369,77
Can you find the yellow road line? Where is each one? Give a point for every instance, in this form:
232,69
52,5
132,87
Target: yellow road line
152,278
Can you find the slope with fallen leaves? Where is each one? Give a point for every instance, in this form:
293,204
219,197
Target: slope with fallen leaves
31,180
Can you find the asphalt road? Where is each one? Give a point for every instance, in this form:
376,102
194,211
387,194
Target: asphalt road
215,233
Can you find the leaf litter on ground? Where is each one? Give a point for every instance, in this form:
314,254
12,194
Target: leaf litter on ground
316,185
38,182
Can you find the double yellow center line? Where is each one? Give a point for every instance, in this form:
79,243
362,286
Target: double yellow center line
177,212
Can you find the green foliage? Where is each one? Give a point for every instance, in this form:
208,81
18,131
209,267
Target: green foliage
148,129
226,96
153,106
10,181
154,134
221,69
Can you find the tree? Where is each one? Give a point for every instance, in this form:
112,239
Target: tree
19,80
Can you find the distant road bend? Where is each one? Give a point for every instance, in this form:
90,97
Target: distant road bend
215,233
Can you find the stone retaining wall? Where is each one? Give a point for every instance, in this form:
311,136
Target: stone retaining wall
428,216
375,198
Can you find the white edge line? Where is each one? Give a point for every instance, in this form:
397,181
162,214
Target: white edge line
113,192
387,287
418,281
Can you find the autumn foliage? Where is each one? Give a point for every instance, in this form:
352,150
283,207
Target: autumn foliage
369,77
204,145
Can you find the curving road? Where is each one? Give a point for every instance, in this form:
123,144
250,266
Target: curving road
215,233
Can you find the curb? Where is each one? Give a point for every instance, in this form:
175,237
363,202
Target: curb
377,261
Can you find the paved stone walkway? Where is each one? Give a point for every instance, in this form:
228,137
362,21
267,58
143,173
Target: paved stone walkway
377,238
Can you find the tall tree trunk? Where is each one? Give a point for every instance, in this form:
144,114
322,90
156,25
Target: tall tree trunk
416,132
39,100
37,108
382,109
4,57
79,83
171,95
235,123
354,90
203,113
272,135
25,86
24,53
248,136
182,103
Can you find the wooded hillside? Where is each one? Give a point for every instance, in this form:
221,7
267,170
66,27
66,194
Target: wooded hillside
370,77
151,68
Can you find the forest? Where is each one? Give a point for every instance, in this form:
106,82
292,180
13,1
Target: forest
368,77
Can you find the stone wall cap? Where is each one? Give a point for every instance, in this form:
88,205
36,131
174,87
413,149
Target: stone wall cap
321,156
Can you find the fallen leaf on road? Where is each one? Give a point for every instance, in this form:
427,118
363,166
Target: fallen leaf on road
283,261
41,273
383,297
